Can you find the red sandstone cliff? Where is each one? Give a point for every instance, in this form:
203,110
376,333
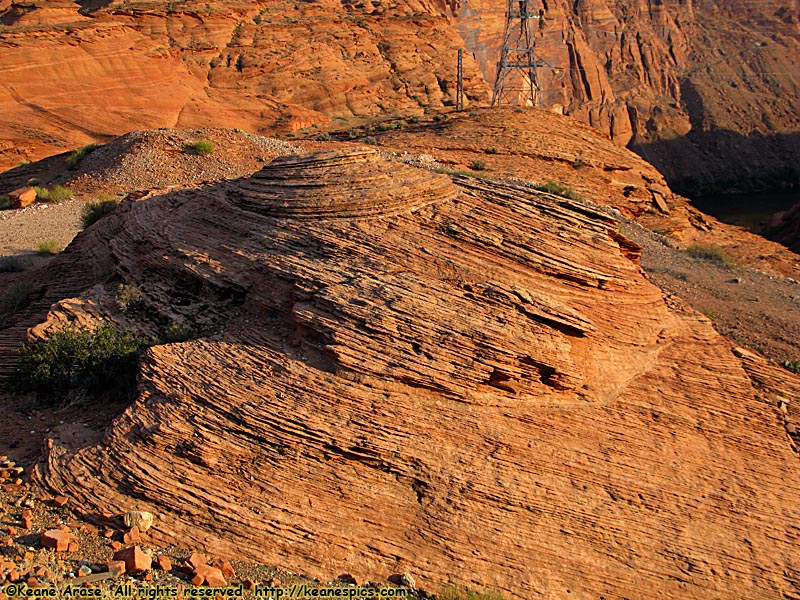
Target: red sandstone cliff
706,91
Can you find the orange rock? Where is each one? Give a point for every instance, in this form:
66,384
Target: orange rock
22,197
73,547
135,560
132,536
115,545
212,576
116,567
27,518
196,560
58,540
225,567
164,563
60,501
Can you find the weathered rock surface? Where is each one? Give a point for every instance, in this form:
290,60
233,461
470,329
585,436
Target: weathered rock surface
705,91
480,386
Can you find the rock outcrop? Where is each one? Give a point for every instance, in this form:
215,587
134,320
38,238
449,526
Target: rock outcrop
458,378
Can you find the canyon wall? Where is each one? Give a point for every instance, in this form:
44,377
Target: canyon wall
706,91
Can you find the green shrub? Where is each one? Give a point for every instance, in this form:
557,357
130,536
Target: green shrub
94,211
477,165
324,137
457,592
58,193
75,158
178,332
15,297
792,365
47,247
128,297
371,140
558,189
711,253
5,202
79,358
203,147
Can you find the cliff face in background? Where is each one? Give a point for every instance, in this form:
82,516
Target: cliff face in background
76,72
705,91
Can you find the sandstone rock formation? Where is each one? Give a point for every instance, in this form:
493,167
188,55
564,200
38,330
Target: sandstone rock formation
706,92
396,371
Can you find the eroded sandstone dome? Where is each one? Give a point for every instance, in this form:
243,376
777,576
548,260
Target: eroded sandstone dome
396,370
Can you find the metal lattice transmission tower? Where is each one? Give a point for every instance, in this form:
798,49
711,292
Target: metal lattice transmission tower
517,80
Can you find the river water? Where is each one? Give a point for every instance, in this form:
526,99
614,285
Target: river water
752,211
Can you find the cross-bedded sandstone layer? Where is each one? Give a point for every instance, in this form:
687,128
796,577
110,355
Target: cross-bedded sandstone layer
459,378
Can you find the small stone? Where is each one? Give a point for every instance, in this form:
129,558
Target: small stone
27,518
408,581
73,547
116,567
84,571
225,567
60,501
135,560
138,518
58,540
115,546
211,575
164,563
790,428
347,578
196,560
198,580
249,584
275,582
132,536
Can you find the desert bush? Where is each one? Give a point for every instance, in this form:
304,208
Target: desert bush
14,264
324,137
457,592
128,297
47,247
558,189
75,158
5,202
477,165
178,332
203,147
711,253
58,193
79,358
370,139
14,297
94,211
792,365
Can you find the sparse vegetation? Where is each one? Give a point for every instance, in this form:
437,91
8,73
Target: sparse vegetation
370,139
47,247
14,264
792,365
477,165
457,592
93,211
324,137
79,358
5,202
56,194
711,253
178,332
15,297
203,147
558,189
74,159
128,297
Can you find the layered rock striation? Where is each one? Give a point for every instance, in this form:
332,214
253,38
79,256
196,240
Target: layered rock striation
463,379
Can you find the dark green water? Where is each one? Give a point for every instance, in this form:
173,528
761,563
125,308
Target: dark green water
748,210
